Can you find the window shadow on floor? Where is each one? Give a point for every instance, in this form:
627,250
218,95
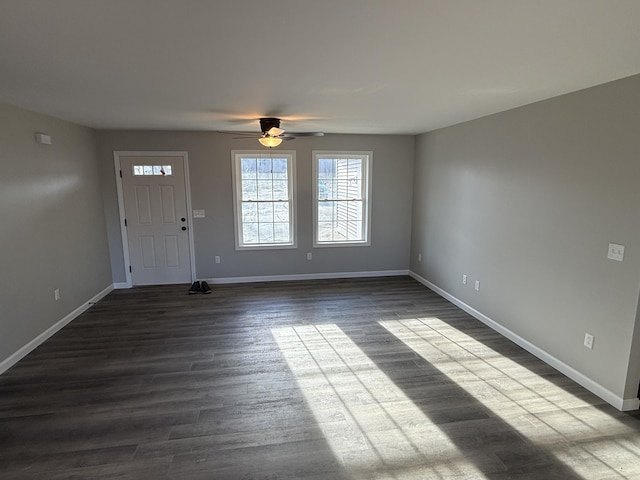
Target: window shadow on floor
478,433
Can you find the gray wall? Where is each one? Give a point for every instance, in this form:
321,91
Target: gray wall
211,190
52,233
527,202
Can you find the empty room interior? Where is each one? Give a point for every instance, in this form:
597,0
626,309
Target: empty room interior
346,239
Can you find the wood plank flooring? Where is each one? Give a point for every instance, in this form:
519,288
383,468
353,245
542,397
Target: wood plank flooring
339,379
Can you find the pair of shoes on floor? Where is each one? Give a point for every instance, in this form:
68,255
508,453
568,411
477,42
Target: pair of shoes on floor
199,287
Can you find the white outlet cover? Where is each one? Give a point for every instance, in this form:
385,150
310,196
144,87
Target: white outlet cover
616,252
198,214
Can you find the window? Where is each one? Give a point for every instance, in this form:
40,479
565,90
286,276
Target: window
152,170
264,199
342,198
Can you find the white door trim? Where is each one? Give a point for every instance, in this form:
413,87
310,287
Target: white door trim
123,230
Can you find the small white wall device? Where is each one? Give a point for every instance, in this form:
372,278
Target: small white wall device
43,138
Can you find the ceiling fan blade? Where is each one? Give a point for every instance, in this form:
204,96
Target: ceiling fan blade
242,134
275,132
304,134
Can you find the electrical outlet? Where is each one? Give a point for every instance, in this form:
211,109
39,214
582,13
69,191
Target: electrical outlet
588,340
477,285
419,257
56,294
464,279
309,256
217,259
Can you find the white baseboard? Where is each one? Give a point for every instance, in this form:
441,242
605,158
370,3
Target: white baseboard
10,361
309,276
121,285
630,404
578,377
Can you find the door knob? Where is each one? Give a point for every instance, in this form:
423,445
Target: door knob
184,228
183,219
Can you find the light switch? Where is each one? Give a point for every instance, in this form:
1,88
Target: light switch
616,252
588,341
198,214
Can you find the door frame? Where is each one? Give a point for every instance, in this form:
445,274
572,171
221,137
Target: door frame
123,229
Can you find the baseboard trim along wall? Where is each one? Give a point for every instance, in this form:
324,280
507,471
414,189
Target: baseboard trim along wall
595,388
9,362
310,276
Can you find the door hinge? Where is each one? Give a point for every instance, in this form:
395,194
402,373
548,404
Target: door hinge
120,173
125,223
638,390
130,269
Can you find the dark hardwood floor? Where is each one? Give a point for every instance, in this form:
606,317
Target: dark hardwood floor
339,379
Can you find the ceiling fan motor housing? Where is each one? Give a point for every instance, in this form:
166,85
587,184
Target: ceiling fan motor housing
268,123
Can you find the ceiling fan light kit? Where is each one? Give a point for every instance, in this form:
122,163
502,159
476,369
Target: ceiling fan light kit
269,141
270,132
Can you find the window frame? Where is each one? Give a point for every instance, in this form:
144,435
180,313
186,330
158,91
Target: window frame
367,164
290,156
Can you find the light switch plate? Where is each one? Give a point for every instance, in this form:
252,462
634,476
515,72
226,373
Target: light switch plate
588,341
198,214
616,252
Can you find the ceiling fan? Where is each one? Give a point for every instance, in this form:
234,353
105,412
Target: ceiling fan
271,134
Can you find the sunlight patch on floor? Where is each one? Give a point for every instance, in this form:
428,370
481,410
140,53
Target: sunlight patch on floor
577,433
373,429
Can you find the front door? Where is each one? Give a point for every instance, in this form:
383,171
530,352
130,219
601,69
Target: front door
155,205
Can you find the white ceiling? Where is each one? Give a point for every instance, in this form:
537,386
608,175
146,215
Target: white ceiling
340,66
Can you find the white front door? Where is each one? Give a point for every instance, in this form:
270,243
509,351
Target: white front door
157,227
